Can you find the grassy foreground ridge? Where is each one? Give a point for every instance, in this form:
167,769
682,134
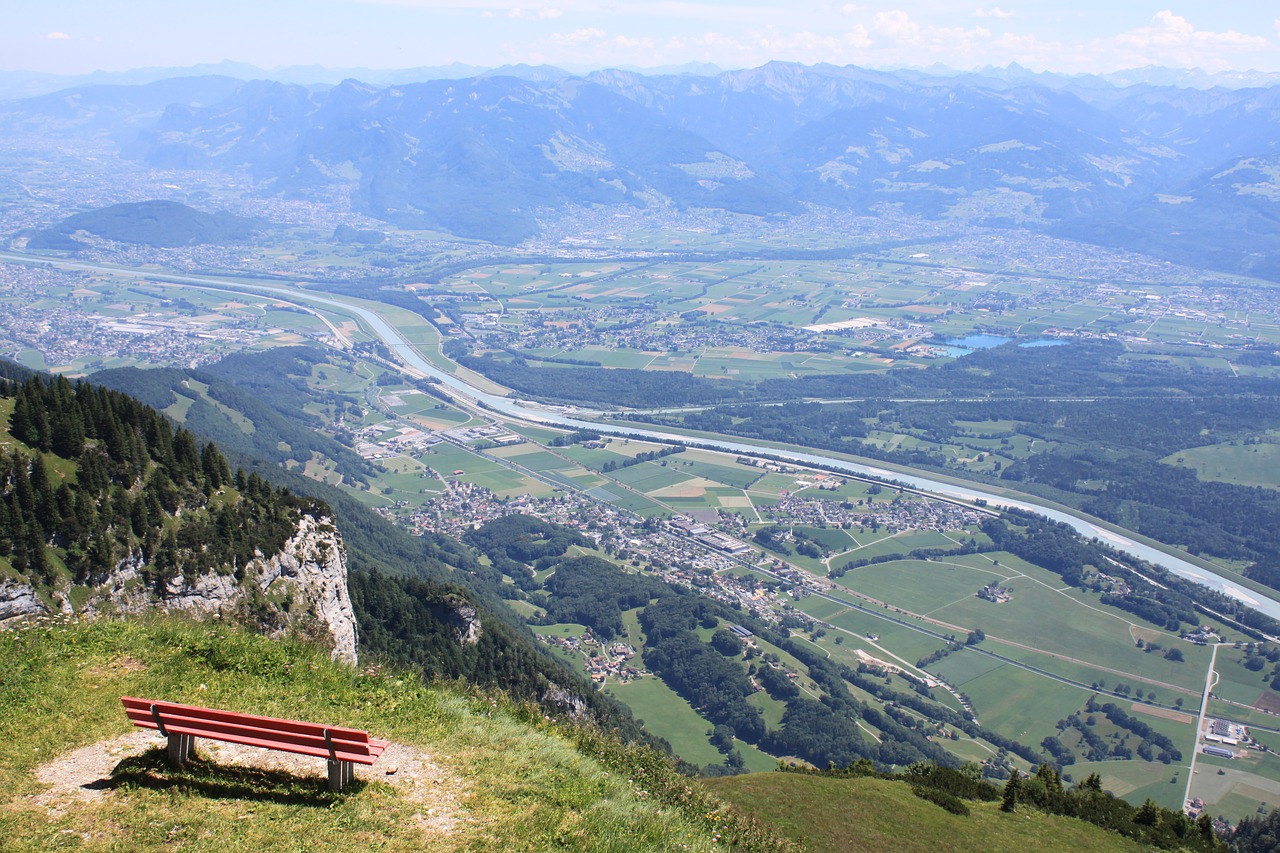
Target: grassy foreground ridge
505,777
864,814
492,774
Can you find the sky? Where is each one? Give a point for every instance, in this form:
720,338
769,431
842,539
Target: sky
1068,36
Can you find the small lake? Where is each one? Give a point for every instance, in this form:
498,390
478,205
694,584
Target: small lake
972,342
960,347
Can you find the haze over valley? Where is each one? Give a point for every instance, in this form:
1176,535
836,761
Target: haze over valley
889,439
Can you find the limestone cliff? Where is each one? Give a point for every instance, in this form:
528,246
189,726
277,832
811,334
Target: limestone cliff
301,588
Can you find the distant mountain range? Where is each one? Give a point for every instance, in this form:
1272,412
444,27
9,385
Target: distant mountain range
1185,173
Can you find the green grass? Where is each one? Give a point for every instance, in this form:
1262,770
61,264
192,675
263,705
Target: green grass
738,476
1244,464
508,777
1021,704
862,814
916,585
649,477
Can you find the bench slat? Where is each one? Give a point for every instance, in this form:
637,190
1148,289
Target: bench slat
360,754
271,723
316,735
351,745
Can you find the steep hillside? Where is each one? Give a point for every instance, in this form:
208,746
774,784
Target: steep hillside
841,815
466,771
105,507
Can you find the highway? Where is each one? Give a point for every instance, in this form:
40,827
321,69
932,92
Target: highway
419,365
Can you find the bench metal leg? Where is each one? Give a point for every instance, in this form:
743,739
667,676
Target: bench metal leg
340,773
180,747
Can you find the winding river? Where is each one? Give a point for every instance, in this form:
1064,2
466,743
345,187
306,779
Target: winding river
1267,604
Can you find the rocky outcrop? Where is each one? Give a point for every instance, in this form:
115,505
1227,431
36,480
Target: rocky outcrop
312,568
302,588
19,601
464,620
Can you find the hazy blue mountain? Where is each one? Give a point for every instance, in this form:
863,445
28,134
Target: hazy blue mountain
116,110
485,156
475,157
1225,218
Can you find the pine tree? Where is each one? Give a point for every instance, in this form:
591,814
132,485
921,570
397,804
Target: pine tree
1009,798
1148,814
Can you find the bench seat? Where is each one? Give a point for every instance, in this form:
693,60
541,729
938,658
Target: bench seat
181,724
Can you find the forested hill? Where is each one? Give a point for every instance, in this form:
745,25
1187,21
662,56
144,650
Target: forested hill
93,479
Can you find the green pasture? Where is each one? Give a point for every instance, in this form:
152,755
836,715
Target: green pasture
1041,618
1254,464
774,484
901,640
1228,711
880,547
447,458
738,476
628,500
832,538
1021,704
1135,780
1238,684
533,457
915,585
649,476
591,457
1245,783
665,713
959,668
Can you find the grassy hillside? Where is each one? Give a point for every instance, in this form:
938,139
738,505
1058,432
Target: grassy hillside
494,776
865,814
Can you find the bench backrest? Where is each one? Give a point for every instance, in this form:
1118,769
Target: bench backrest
333,742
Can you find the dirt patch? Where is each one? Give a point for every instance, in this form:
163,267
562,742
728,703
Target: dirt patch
1163,713
681,490
117,665
1269,702
84,775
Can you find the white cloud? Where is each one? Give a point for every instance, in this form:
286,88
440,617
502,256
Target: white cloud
993,12
1170,30
1169,40
897,26
577,37
858,38
57,36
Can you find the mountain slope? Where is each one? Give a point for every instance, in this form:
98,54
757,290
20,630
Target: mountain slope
163,224
466,771
487,157
835,815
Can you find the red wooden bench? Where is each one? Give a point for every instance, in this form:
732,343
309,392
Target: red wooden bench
182,724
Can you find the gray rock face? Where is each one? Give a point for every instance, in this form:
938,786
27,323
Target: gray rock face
466,623
19,601
304,587
312,568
